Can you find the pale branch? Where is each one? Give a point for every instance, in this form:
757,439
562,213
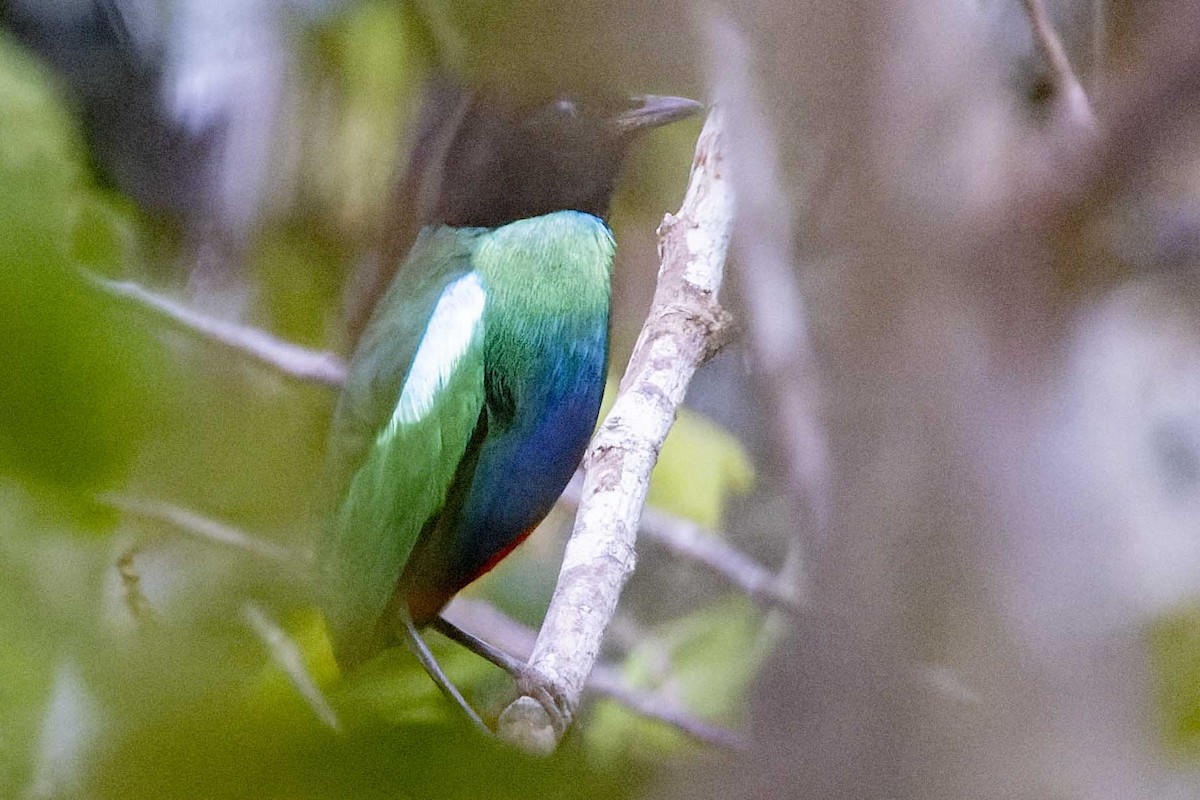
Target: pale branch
682,331
517,641
689,540
286,358
1067,88
202,528
288,657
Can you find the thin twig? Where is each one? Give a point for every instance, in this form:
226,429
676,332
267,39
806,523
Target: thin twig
202,527
284,651
607,682
289,360
517,641
1067,87
680,333
689,540
686,538
287,656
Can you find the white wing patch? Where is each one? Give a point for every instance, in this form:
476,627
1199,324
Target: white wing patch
456,322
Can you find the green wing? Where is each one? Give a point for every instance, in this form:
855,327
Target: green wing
413,397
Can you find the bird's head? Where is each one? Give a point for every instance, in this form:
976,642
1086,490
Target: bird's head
503,163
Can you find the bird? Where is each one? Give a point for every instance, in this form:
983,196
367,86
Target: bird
476,384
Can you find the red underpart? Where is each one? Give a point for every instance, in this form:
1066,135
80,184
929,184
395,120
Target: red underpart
424,606
496,559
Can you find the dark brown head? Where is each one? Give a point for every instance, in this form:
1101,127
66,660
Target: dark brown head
505,164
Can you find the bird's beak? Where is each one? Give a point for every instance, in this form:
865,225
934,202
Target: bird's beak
652,110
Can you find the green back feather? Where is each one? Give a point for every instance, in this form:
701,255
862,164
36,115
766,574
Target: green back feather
387,479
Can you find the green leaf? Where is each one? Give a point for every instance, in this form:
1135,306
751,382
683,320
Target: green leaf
700,468
104,233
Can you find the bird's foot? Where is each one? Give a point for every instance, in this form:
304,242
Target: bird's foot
421,651
536,720
531,683
545,715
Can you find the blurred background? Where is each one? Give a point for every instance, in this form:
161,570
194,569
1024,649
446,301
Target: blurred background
955,444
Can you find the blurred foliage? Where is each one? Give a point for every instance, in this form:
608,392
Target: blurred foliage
533,47
1174,644
249,735
216,751
297,298
700,467
77,387
703,662
31,627
370,62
